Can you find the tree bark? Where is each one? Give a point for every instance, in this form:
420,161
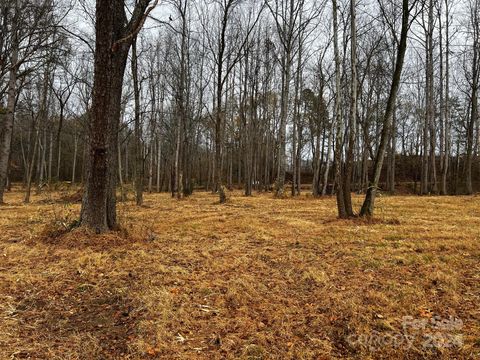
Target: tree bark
352,119
30,167
369,202
7,129
474,101
342,212
113,40
139,162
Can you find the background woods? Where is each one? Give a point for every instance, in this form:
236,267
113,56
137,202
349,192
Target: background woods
310,96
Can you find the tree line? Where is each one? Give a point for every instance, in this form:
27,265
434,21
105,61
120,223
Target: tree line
340,95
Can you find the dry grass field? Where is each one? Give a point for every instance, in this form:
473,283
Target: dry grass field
256,278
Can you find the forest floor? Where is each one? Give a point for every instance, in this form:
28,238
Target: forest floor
256,278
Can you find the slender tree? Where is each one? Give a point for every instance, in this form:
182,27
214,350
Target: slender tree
369,202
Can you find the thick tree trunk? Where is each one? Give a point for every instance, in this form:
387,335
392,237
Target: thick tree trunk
99,200
113,36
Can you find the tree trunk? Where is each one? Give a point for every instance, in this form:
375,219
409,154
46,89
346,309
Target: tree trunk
58,140
446,112
286,67
150,165
327,162
159,160
139,165
112,44
7,128
474,102
352,119
30,168
74,162
123,194
391,157
342,212
369,202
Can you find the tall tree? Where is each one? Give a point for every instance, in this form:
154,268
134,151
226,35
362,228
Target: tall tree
226,55
138,144
474,85
352,118
291,20
444,94
9,113
339,127
114,35
369,202
26,31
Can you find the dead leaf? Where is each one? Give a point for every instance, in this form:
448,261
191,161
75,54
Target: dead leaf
152,351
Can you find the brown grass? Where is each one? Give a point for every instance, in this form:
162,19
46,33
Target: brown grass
256,278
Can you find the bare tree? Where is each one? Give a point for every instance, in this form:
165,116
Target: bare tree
474,84
226,55
63,90
369,202
342,211
352,119
26,30
291,20
139,160
114,35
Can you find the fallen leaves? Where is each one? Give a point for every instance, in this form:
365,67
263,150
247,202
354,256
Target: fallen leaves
258,278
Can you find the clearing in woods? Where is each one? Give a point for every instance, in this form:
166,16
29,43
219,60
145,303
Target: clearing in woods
256,278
